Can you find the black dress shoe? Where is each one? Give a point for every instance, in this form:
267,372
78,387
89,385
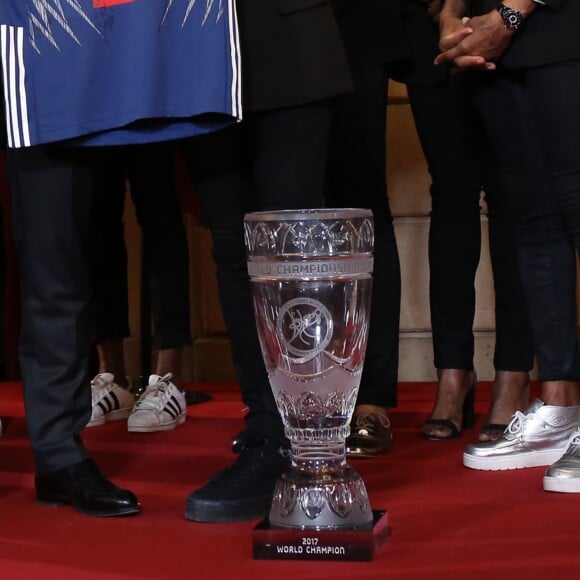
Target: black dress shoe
86,489
370,435
242,491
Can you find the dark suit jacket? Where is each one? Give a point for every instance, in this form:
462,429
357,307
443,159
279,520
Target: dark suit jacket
548,36
372,31
292,53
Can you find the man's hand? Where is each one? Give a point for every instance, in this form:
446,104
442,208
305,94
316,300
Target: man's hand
487,42
452,30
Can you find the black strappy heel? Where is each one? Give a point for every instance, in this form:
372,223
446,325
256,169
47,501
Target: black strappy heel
447,424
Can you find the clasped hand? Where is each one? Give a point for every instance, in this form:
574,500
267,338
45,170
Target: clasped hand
473,43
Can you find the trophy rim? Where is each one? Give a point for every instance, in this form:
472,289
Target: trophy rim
308,214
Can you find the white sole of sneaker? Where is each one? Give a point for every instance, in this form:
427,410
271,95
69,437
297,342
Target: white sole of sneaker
516,461
112,416
561,484
179,420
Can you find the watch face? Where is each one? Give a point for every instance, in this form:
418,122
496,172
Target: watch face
512,18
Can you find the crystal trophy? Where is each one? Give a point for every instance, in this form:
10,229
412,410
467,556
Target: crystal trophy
311,279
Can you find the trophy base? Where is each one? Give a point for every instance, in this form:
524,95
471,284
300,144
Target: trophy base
281,544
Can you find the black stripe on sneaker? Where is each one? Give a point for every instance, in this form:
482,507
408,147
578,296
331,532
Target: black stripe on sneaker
170,410
108,402
179,409
116,402
174,406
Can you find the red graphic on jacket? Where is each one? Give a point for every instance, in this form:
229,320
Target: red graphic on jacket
104,3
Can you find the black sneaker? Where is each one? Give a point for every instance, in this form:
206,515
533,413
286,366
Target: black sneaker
242,491
246,438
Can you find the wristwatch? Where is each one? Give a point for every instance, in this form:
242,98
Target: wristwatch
512,18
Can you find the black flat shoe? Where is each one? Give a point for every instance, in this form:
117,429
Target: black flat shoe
370,435
511,393
86,489
491,431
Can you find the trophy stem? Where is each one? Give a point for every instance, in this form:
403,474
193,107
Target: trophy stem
316,456
321,490
313,457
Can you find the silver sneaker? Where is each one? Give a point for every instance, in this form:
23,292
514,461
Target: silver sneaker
537,437
161,407
111,402
564,475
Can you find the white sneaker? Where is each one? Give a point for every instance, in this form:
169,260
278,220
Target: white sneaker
564,475
161,407
111,402
537,437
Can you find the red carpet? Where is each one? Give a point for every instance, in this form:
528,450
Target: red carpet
446,521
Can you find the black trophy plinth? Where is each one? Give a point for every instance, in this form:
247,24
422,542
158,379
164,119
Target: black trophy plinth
281,544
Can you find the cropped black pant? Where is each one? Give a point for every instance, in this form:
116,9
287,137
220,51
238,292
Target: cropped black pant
149,171
532,123
356,178
459,162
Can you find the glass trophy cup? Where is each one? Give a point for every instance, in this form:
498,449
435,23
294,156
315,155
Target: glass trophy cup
311,285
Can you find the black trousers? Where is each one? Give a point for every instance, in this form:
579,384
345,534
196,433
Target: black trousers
273,160
149,170
532,123
553,92
458,159
356,178
52,195
2,288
